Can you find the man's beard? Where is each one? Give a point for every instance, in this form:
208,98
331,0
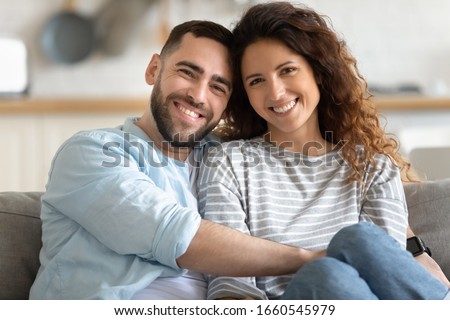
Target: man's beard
164,121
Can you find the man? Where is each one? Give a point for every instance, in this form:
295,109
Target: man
119,218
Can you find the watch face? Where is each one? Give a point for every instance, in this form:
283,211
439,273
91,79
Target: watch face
414,246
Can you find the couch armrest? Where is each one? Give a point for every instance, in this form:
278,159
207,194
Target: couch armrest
429,217
20,232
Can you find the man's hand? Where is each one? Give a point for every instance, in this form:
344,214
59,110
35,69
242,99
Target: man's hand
432,266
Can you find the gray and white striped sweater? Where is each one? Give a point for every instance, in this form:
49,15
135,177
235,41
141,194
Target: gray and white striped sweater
267,192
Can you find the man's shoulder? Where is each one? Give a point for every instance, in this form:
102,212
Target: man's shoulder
91,140
100,135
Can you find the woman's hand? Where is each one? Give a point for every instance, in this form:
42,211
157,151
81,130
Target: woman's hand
432,266
429,263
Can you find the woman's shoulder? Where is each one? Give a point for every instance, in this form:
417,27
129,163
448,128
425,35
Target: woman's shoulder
378,158
381,165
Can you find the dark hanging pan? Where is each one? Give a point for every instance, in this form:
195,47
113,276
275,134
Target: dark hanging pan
68,37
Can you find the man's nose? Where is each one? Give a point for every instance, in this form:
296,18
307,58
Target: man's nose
198,92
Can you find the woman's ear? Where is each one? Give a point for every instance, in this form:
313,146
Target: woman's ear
153,69
318,79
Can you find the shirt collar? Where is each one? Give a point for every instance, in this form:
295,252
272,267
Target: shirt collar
130,126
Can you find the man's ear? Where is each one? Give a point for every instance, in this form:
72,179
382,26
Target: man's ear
153,69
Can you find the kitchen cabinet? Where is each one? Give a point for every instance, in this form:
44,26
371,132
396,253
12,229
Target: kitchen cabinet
32,130
31,135
28,144
21,165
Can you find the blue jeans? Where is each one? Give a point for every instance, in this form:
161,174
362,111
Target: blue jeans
364,262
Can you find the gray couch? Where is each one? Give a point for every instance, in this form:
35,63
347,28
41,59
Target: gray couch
20,232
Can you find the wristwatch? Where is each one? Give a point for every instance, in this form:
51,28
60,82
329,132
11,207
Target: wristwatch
416,246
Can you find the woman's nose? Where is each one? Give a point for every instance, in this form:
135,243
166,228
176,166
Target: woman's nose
276,89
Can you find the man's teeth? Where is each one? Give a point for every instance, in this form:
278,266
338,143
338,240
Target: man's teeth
189,112
285,108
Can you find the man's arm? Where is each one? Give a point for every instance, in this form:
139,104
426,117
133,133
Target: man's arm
429,263
220,250
147,221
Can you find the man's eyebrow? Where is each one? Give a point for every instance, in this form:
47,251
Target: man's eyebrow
191,65
222,80
200,70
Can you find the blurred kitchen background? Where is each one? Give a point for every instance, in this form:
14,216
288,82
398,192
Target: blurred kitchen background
47,93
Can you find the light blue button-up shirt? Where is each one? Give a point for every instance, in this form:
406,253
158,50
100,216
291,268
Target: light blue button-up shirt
116,215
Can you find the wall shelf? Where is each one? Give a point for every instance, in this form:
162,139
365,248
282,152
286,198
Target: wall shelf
138,105
17,106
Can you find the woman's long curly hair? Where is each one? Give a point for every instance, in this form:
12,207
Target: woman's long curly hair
346,110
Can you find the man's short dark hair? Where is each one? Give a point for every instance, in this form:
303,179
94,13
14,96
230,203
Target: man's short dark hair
199,28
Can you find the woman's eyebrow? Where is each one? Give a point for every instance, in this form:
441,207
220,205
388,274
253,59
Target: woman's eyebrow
253,75
276,68
283,64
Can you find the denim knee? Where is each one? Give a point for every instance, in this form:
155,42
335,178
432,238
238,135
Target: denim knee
359,238
324,266
327,278
328,271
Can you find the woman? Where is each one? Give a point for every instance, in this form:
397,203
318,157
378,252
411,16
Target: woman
315,169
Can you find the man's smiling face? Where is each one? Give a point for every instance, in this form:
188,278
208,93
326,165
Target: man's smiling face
192,87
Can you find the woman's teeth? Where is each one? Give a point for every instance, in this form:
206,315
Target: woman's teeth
285,108
189,112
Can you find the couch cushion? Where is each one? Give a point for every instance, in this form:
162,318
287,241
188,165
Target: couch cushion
429,217
20,232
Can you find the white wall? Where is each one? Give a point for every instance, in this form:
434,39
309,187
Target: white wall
394,40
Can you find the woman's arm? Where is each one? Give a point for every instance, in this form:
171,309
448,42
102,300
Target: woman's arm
384,200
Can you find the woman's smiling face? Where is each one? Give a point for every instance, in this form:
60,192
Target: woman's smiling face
282,88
